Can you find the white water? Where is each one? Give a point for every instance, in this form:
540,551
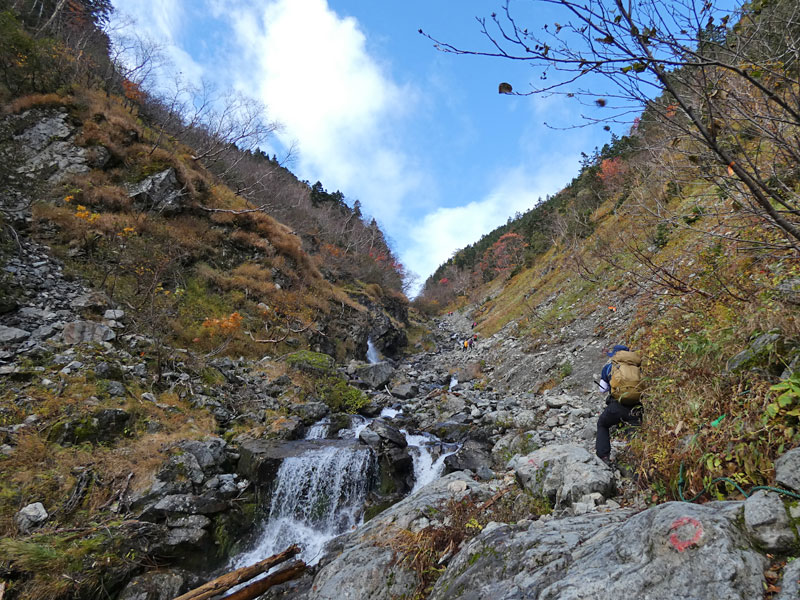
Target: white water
453,382
390,413
321,493
318,496
426,469
319,430
372,353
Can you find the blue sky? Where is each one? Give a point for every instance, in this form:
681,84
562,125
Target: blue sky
421,138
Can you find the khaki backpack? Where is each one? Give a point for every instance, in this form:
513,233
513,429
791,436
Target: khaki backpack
626,381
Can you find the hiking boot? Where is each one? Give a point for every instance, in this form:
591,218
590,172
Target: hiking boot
605,459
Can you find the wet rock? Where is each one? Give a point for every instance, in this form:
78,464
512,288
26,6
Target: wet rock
86,331
191,504
259,460
388,433
472,455
30,517
160,193
767,522
563,473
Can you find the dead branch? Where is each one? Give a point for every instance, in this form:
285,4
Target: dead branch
225,582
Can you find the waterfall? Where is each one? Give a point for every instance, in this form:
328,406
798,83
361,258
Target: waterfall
426,469
319,430
372,352
390,413
453,382
318,495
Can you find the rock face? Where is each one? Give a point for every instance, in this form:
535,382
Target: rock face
159,193
563,473
87,331
376,376
358,566
675,550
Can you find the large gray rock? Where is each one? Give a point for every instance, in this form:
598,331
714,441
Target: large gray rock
563,473
158,193
86,331
790,586
30,517
49,152
787,469
674,550
761,353
404,391
159,585
473,455
11,335
767,522
310,412
357,566
376,375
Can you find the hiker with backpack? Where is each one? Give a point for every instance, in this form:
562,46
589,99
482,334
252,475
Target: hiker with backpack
622,379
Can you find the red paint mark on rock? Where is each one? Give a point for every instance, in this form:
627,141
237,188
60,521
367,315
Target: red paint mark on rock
679,544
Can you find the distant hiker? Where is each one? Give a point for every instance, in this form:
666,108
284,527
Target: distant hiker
466,345
474,323
622,379
470,342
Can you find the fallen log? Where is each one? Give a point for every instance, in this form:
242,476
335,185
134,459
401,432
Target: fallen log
255,589
221,584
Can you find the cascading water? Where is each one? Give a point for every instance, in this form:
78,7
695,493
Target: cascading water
319,430
453,382
318,495
372,352
426,469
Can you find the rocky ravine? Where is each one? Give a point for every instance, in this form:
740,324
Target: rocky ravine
590,546
522,418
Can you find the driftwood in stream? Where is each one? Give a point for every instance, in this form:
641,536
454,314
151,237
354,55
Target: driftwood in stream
221,584
255,589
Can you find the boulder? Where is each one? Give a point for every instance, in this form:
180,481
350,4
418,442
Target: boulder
357,565
30,517
103,425
472,456
86,331
90,301
404,391
563,473
376,375
787,469
159,585
674,550
767,522
388,433
790,585
160,193
12,335
310,412
761,353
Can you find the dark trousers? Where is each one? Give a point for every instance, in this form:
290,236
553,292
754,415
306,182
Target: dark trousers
614,414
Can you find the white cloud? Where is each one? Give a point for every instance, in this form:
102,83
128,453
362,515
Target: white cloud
312,68
160,21
445,230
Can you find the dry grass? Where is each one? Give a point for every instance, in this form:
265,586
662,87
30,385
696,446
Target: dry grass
24,103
